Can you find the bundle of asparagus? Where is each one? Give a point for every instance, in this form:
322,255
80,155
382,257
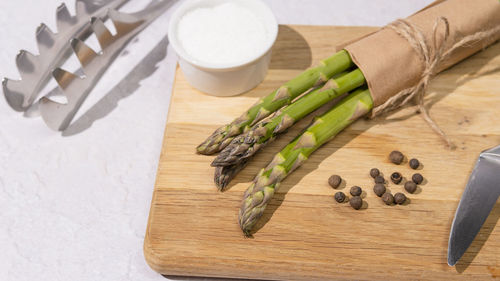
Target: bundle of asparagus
273,115
235,156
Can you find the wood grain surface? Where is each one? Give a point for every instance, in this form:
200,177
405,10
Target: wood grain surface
305,234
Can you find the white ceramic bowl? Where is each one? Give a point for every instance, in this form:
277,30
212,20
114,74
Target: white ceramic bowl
224,79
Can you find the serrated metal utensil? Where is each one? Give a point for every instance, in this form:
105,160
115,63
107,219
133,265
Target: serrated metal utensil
75,88
53,48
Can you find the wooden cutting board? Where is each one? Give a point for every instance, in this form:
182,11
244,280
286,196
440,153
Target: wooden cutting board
305,234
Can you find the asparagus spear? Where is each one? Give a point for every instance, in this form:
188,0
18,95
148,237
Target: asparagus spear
335,64
247,144
224,174
324,128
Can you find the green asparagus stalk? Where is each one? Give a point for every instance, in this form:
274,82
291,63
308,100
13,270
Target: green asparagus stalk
248,143
335,64
324,128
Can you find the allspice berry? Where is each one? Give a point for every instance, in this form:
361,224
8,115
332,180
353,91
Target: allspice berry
399,198
417,178
379,189
334,181
388,198
410,186
379,179
339,197
356,202
374,172
396,177
396,157
356,191
414,163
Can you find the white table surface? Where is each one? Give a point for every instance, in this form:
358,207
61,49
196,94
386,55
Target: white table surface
74,206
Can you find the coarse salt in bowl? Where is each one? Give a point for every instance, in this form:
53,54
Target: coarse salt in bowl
224,46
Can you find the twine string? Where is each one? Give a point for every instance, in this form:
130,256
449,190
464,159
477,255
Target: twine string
432,55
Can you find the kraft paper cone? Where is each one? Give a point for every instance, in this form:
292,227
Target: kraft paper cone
390,64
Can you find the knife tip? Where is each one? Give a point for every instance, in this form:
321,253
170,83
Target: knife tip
452,259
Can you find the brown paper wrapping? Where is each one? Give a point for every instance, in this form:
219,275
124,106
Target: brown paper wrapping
390,64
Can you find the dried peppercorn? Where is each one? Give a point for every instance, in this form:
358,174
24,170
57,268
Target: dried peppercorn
339,197
396,157
334,181
356,202
379,179
399,198
396,177
388,198
414,163
410,186
417,178
356,191
374,172
379,189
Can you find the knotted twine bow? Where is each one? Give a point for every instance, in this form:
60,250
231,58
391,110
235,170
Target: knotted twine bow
432,55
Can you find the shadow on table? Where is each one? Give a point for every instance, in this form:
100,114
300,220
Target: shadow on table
125,88
293,48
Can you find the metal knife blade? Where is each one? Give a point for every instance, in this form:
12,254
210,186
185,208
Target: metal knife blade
478,199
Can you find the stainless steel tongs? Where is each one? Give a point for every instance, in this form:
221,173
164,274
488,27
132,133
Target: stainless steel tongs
21,94
36,70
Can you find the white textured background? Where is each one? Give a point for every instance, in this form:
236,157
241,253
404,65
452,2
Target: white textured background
75,206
